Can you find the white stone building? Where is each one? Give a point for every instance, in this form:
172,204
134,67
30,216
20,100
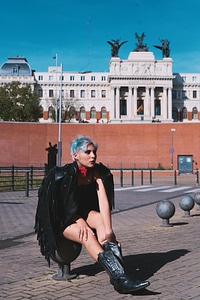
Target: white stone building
139,89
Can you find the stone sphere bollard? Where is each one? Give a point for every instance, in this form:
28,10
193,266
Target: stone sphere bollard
165,209
197,199
186,203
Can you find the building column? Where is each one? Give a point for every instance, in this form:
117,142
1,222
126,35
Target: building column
117,102
164,107
152,102
129,104
135,101
169,102
113,104
147,103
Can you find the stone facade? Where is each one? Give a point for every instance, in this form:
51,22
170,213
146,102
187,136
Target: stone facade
139,89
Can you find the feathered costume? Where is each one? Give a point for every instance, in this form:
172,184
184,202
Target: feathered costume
57,205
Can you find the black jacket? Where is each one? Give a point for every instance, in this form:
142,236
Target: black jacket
57,203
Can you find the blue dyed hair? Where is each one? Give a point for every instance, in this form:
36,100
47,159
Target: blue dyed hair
81,143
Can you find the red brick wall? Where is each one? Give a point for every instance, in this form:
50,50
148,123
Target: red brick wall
127,145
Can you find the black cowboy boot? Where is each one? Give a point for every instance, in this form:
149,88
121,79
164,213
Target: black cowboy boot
116,250
118,278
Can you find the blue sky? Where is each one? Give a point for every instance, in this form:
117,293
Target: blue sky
78,31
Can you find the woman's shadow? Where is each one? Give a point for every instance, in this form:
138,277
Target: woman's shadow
140,266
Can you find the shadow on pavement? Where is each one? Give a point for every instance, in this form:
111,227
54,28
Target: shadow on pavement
140,266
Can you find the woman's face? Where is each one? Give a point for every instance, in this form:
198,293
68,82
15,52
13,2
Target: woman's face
86,158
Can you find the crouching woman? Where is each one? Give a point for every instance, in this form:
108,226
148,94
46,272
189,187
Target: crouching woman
87,213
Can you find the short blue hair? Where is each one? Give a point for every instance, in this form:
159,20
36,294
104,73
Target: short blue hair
81,143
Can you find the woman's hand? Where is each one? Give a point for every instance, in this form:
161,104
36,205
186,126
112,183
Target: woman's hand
84,229
107,237
110,237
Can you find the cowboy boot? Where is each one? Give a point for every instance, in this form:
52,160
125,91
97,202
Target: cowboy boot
118,278
116,250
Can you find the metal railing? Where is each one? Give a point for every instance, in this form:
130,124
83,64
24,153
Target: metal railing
18,178
131,177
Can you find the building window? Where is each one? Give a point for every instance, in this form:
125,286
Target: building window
82,93
184,113
40,93
93,113
82,78
184,78
82,113
50,93
40,77
175,114
123,107
174,94
103,113
184,95
140,107
71,93
194,94
92,78
92,93
103,94
194,78
61,78
157,108
71,78
194,113
103,78
51,112
15,71
51,78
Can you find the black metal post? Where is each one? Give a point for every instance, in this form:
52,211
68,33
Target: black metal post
31,177
132,177
121,177
13,178
175,178
197,177
150,176
142,177
27,184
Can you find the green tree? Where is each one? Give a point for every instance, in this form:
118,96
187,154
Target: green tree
19,103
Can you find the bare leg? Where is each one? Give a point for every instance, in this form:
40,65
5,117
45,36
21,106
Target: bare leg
91,244
95,221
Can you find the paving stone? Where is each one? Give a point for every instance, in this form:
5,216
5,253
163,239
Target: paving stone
166,256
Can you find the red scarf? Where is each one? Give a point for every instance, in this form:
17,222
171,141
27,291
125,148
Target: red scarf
83,171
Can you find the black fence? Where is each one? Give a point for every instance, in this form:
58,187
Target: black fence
28,178
130,177
18,178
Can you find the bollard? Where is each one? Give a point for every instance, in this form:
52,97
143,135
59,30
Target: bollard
165,209
186,203
197,199
67,252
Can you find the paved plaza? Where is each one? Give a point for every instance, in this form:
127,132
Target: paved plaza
169,257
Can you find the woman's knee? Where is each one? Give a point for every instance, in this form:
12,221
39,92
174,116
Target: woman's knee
94,218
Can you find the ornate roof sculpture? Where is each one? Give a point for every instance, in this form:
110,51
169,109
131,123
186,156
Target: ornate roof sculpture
140,47
165,48
115,45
